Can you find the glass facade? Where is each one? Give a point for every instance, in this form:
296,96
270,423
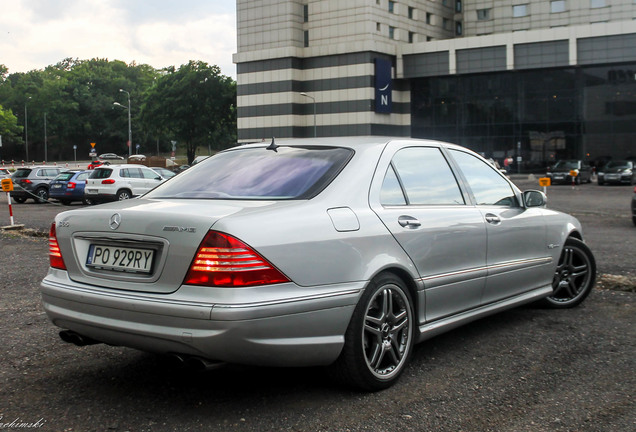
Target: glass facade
538,115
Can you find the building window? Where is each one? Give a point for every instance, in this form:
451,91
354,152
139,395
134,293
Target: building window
378,27
597,3
411,12
429,38
458,28
458,6
391,32
306,13
391,6
411,37
483,14
306,38
557,6
429,18
446,24
520,10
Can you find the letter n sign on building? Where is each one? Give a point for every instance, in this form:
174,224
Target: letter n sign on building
383,86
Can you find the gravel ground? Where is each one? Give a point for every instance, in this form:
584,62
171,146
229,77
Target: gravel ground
528,369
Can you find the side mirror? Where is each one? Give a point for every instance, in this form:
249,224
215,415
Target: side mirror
533,198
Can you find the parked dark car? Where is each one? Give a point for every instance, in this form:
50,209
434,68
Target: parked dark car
33,182
617,172
560,172
69,186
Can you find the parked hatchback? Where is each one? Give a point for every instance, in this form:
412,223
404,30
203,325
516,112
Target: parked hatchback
120,182
335,251
69,186
33,182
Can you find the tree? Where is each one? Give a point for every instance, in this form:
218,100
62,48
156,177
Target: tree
194,104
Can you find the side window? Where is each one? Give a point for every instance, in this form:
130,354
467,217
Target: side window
424,177
82,176
487,185
136,173
124,173
391,193
148,174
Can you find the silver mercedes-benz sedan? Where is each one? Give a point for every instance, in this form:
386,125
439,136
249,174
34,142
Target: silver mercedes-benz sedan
336,251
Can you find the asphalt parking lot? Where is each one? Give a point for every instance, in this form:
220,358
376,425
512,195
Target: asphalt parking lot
527,369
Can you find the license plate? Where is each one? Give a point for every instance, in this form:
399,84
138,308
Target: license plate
123,259
613,176
90,191
559,177
56,186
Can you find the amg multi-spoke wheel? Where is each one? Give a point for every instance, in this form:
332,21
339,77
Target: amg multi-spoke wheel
574,276
380,336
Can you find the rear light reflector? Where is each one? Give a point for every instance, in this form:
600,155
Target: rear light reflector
108,181
225,261
55,255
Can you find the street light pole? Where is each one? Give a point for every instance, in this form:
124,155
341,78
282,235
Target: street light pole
129,123
45,143
314,101
26,129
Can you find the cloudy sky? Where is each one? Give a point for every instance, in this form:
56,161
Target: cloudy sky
38,33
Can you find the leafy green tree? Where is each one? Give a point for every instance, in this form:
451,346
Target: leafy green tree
10,131
195,104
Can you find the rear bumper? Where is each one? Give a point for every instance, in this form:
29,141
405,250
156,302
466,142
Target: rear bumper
270,330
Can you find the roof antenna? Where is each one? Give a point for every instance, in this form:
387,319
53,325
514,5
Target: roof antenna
272,146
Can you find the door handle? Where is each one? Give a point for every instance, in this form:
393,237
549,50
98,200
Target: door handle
492,219
408,222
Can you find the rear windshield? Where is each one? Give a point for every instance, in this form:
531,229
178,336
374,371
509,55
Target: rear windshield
65,176
101,173
22,173
258,173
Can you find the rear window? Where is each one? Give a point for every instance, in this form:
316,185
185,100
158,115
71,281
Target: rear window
22,173
66,176
101,173
258,173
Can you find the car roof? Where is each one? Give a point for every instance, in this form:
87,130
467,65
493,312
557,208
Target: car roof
356,143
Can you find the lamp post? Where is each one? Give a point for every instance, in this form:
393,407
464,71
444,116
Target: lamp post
26,129
45,143
129,124
314,101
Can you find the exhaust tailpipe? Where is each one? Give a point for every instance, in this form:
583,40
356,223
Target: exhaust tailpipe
70,336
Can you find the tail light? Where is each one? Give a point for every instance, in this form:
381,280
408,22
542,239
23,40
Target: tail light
25,181
55,255
70,185
225,261
108,181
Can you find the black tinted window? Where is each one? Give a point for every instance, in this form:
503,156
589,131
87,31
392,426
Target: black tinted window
485,182
21,173
258,173
424,175
101,173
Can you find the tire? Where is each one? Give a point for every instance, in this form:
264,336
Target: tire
380,336
634,220
65,202
88,201
124,194
601,182
19,200
574,276
42,195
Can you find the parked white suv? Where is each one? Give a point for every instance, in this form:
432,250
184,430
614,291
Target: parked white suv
120,182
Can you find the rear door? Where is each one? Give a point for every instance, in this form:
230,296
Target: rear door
423,206
517,258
